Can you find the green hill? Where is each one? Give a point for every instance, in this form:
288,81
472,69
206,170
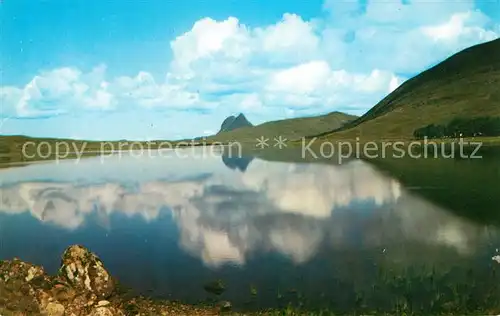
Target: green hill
288,128
464,87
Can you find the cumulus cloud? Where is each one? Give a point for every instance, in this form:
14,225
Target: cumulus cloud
316,84
69,90
291,40
208,39
461,29
400,36
59,91
143,90
278,66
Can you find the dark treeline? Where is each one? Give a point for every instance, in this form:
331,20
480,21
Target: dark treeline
481,126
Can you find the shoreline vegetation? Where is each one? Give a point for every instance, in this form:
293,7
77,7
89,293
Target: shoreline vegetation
12,152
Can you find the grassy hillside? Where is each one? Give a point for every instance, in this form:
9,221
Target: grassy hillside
289,128
464,86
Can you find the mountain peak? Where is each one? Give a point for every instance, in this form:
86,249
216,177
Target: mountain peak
233,122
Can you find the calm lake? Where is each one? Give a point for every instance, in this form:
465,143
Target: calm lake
362,235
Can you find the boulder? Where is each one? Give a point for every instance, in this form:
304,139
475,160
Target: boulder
21,284
85,271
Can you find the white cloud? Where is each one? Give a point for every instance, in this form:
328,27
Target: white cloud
394,84
65,90
205,40
290,40
461,28
251,102
394,36
143,90
58,91
414,12
316,84
277,66
304,78
9,97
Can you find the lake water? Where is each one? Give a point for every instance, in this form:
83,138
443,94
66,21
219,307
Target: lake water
386,236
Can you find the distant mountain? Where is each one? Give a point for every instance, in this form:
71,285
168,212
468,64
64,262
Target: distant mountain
289,128
234,122
461,92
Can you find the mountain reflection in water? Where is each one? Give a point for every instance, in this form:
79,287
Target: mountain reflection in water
273,224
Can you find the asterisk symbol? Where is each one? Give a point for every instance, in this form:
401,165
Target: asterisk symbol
280,142
262,142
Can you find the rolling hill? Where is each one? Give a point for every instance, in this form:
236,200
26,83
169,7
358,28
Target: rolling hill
288,128
464,86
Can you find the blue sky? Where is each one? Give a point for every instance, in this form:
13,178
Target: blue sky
174,69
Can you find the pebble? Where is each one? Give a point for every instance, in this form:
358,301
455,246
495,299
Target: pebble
225,305
103,303
101,311
54,309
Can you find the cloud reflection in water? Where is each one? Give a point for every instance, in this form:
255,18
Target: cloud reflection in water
224,215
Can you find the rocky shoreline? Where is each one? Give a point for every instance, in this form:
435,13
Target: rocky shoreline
82,287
